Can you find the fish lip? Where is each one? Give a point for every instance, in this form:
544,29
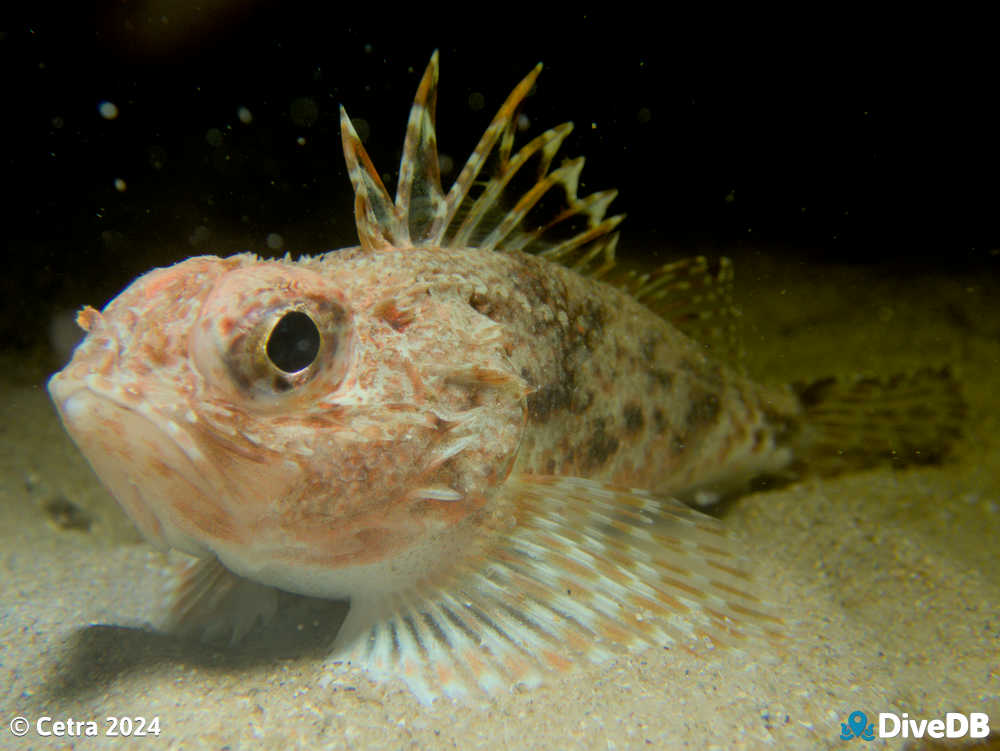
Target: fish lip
61,389
151,515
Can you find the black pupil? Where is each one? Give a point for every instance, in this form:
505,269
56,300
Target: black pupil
294,342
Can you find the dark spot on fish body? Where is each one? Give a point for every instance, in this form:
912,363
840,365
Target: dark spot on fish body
780,425
634,421
589,322
702,411
647,348
543,402
623,354
708,373
662,378
539,327
601,447
811,394
480,303
659,421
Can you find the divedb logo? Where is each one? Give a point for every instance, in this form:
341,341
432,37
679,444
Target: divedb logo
890,725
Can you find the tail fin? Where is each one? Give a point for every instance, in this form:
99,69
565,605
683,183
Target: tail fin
904,419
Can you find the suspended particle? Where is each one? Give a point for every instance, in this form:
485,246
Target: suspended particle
445,164
304,112
108,110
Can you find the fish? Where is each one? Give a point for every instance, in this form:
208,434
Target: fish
475,426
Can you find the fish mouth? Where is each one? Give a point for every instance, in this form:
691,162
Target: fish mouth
137,456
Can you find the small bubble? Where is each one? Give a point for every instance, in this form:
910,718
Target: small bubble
369,49
445,164
523,122
304,112
644,115
120,185
476,101
112,239
275,241
157,155
362,128
244,115
200,235
64,334
58,122
213,136
301,140
108,110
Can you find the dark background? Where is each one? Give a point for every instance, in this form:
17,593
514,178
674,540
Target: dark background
823,140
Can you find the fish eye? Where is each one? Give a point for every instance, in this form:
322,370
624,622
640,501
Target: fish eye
294,342
276,334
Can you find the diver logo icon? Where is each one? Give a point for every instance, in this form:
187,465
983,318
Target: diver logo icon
857,727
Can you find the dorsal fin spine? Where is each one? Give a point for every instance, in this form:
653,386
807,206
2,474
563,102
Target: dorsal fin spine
374,213
419,167
502,125
494,218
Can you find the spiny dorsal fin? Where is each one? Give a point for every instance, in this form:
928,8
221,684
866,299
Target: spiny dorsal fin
420,204
374,213
544,216
693,294
507,200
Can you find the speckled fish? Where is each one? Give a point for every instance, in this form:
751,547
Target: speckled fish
473,425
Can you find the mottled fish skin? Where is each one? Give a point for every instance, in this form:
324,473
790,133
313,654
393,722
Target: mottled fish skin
614,392
456,425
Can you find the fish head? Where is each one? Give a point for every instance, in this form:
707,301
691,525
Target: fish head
291,418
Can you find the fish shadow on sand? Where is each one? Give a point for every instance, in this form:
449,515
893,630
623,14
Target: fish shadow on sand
97,656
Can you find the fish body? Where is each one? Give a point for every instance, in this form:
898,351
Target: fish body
472,426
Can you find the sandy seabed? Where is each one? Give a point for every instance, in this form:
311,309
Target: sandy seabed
888,580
